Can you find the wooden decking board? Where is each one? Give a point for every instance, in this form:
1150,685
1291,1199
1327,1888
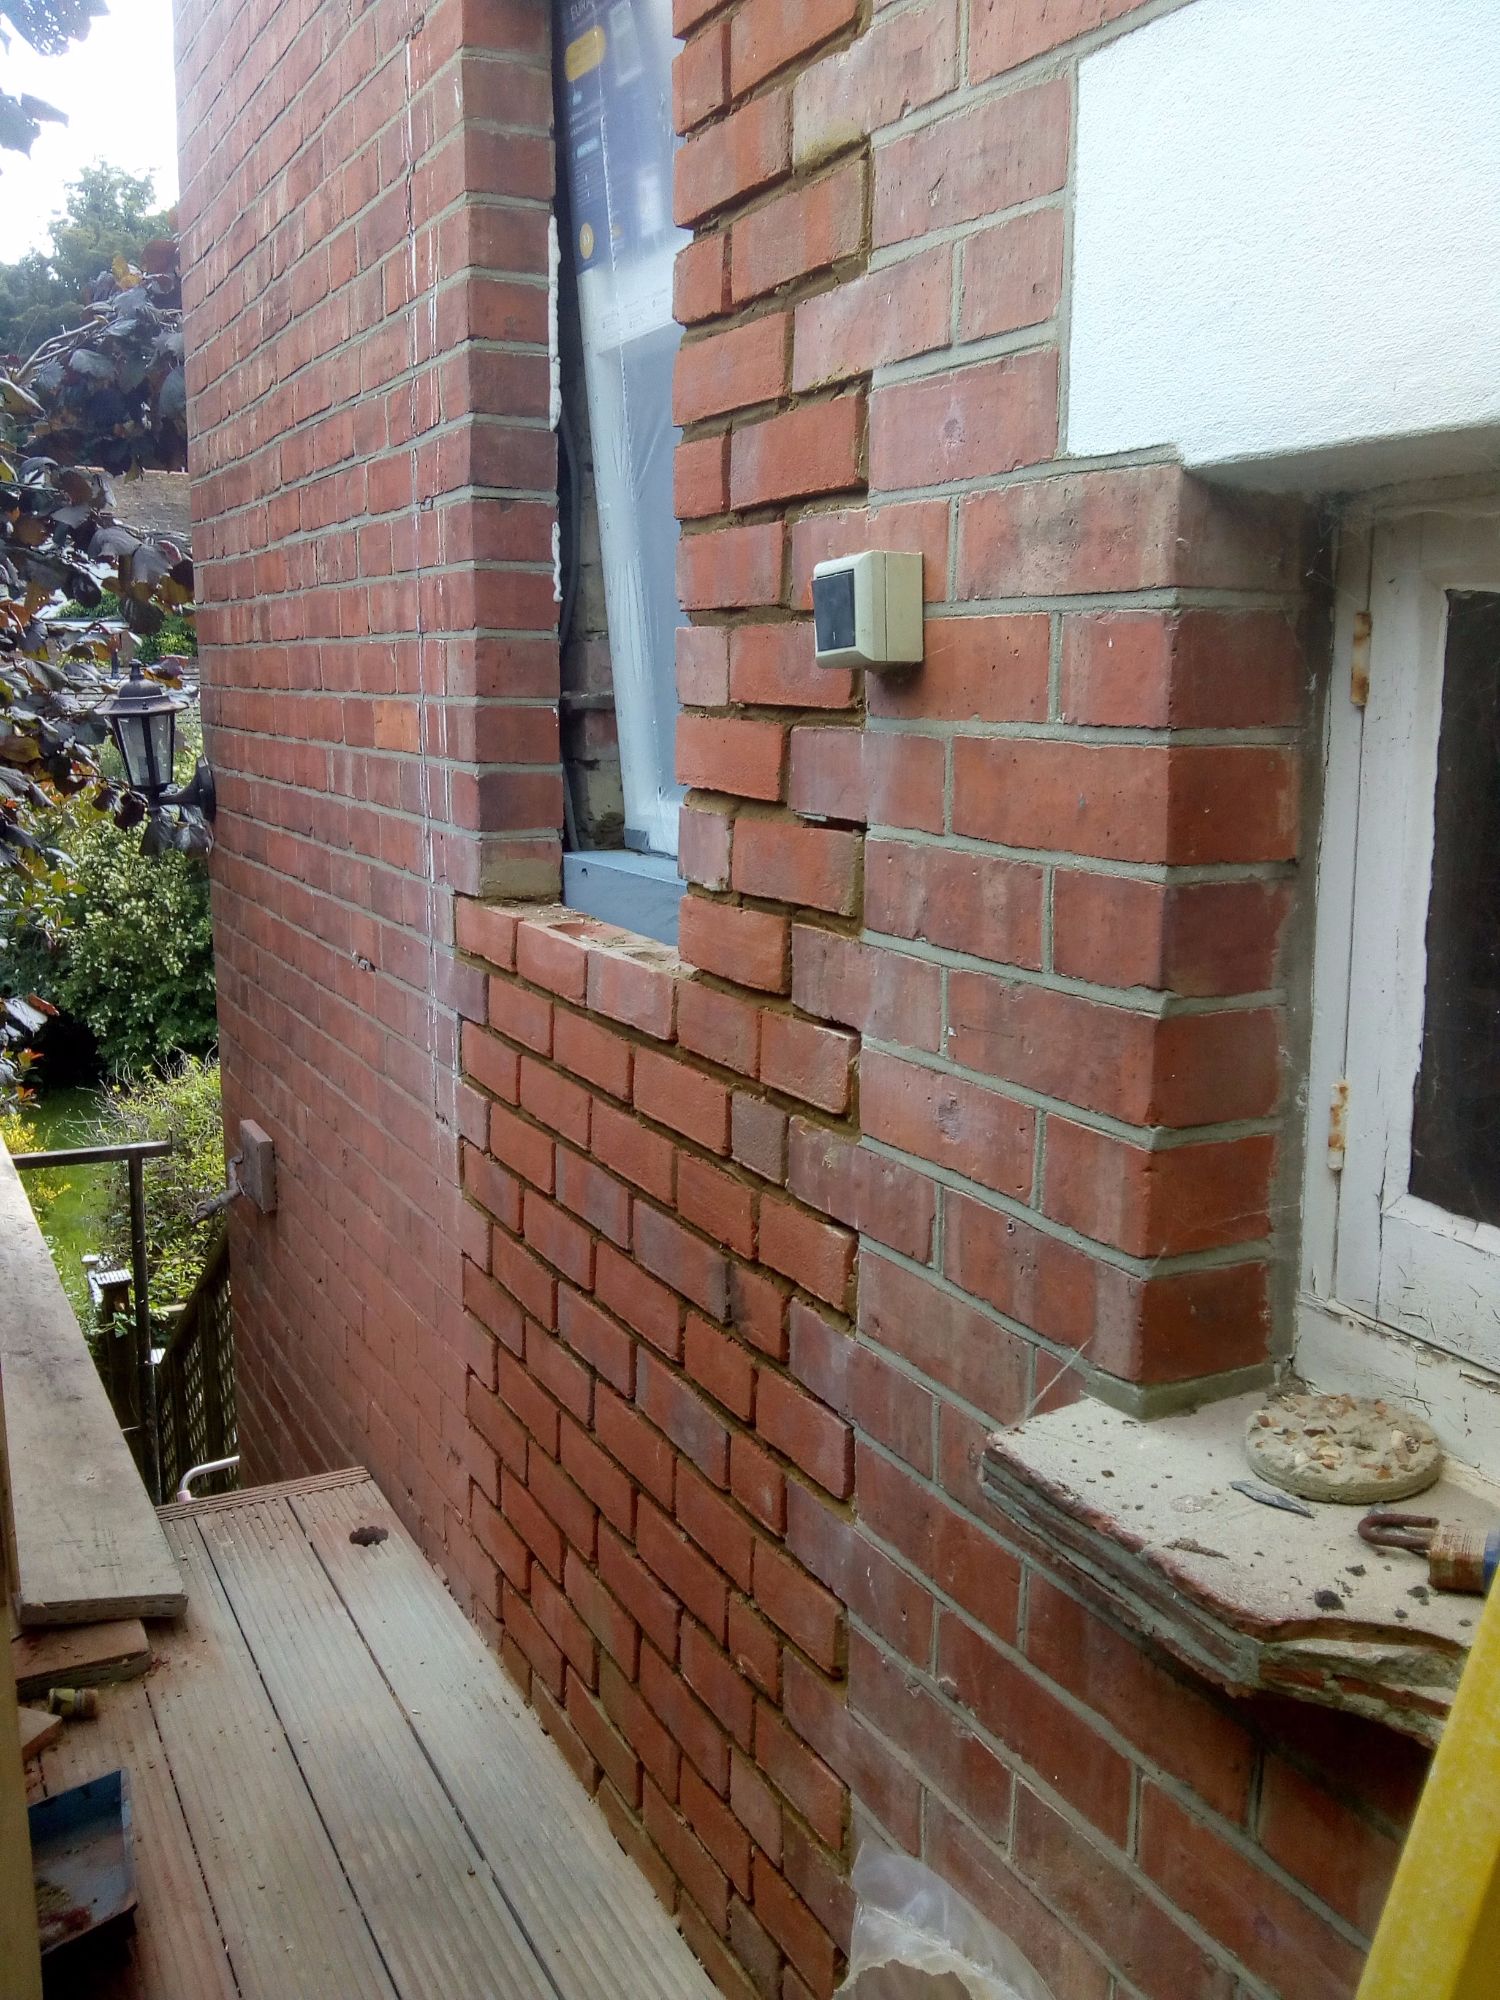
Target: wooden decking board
88,1544
175,1951
584,1904
79,1656
440,1919
291,1923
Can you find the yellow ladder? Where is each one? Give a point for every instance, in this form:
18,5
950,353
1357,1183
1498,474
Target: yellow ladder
1439,1935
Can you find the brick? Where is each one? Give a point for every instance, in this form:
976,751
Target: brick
541,1652
526,1278
676,1408
1007,32
953,1552
683,1261
524,1017
500,1541
1177,1069
716,1525
718,1829
1181,670
554,956
807,1613
773,666
694,1728
976,1132
595,1474
768,34
1012,274
640,1728
713,1676
539,1532
700,280
1345,1861
812,450
652,1607
729,754
758,1483
797,233
674,1094
718,1204
645,1158
974,670
720,1026
555,1101
755,1805
1188,1737
901,525
717,1363
807,1061
605,1745
498,1426
564,1627
702,666
1074,1760
828,774
731,370
812,1437
751,947
730,569
789,1920
932,1735
754,1646
981,904
861,986
946,1338
565,1245
490,1063
800,1774
1187,804
486,932
594,1196
1125,528
867,322
704,845
904,779
785,861
815,1254
1199,939
749,150
700,477
1279,1939
593,1053
522,1146
1089,1885
496,1191
758,1136
647,1308
990,156
700,76
973,423
564,1378
900,62
1156,1202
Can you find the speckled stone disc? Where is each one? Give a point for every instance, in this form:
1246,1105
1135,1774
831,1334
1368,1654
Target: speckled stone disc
1345,1448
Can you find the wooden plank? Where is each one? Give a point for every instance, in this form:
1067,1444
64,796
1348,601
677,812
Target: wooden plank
39,1731
80,1655
290,1922
595,1924
256,1496
20,1954
440,1919
175,1951
88,1544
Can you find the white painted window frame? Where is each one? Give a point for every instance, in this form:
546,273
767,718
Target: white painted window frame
1388,1283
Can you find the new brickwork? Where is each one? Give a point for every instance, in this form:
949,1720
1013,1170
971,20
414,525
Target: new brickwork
968,1091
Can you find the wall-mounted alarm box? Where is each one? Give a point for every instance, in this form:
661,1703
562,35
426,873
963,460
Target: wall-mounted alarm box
867,610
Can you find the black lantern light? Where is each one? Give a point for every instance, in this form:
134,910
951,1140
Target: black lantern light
142,718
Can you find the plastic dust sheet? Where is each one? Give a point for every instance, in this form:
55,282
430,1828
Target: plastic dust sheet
915,1938
617,68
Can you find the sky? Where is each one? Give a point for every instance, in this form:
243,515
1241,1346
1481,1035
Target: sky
116,87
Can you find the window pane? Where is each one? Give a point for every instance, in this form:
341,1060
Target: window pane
1456,1127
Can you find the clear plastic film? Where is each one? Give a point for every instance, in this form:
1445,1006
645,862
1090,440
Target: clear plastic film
617,141
915,1938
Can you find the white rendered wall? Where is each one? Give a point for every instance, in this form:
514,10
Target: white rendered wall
1287,239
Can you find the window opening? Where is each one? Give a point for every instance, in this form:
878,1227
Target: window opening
619,247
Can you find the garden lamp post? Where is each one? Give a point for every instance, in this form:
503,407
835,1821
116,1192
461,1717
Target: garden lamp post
142,718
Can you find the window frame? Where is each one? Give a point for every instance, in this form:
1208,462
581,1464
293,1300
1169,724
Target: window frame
1369,984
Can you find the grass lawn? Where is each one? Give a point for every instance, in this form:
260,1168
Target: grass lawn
72,1220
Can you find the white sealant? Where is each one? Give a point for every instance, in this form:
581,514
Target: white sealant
1287,239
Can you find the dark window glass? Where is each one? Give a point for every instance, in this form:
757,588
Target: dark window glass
1456,1129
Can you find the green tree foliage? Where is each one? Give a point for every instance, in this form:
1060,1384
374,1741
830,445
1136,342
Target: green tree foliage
107,214
182,1105
121,941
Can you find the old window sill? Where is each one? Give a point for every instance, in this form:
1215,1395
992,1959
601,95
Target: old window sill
639,892
1144,1514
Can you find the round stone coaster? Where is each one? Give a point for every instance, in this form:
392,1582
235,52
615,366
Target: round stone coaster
1346,1448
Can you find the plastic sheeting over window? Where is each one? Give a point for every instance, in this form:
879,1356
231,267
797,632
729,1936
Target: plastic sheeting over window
616,61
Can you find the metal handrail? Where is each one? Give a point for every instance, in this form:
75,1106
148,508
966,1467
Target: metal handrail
134,1153
184,1491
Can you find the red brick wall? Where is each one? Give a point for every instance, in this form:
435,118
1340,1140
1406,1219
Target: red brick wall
968,1091
365,208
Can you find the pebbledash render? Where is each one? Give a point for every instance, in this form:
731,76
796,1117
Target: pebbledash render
672,1294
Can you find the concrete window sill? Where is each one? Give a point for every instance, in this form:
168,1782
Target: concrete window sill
1144,1514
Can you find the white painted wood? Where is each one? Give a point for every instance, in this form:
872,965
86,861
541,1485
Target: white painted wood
1377,1261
